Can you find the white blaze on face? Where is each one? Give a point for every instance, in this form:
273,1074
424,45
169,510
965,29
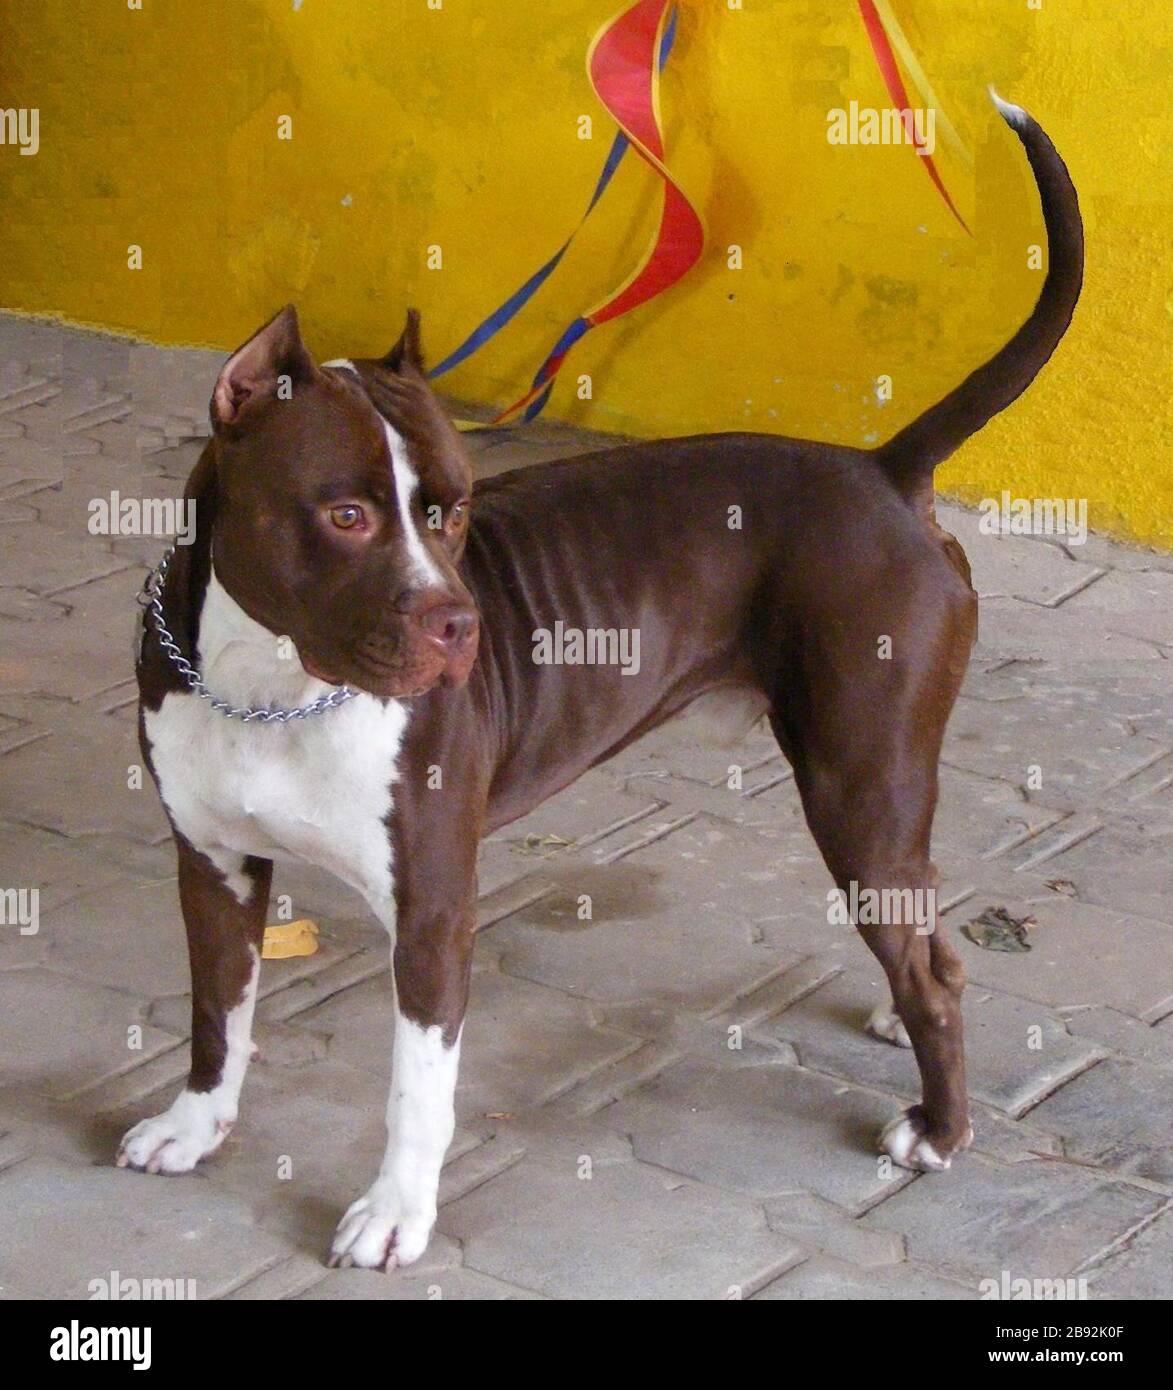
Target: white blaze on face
406,485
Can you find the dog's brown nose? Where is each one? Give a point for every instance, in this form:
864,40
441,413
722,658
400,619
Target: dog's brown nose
451,626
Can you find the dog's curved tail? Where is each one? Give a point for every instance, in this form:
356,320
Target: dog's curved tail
910,456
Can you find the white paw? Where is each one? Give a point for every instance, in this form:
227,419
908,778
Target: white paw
376,1233
885,1023
903,1140
175,1141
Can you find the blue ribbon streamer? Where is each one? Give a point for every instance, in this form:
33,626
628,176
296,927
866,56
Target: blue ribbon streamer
516,301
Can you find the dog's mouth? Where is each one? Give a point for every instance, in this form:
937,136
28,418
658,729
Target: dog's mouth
320,673
385,685
390,664
387,681
403,685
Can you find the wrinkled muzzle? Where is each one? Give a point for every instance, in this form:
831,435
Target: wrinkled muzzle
431,641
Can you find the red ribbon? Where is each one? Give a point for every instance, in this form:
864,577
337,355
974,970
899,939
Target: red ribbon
625,74
890,71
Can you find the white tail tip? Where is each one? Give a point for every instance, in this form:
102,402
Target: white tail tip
1011,114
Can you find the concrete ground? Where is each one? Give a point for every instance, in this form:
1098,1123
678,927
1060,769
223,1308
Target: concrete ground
613,1140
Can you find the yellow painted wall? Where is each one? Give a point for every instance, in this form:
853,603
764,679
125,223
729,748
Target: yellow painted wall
457,127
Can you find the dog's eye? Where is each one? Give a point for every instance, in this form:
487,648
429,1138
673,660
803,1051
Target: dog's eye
457,515
347,517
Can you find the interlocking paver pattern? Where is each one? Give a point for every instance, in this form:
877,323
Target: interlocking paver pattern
672,1097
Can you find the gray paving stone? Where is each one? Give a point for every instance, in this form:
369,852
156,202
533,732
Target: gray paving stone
648,939
579,820
1080,955
411,1285
627,1231
112,853
762,1131
93,759
822,1226
674,751
522,1044
527,1044
61,566
748,806
708,879
291,987
581,813
1138,605
308,1142
1118,1115
722,1039
284,1280
181,377
1127,865
978,817
67,508
63,1226
31,340
405,1286
981,817
56,870
1139,1268
1079,747
63,1034
21,606
134,938
17,514
173,464
823,1277
1019,567
499,865
1010,628
89,650
1142,1041
1008,1066
128,937
1037,1220
1011,1140
1116,555
26,465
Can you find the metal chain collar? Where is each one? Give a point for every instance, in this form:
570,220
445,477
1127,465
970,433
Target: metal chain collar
153,595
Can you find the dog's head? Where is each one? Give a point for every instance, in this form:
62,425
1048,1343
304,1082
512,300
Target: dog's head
342,507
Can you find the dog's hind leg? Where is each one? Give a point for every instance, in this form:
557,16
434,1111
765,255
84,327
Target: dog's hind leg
884,1022
865,743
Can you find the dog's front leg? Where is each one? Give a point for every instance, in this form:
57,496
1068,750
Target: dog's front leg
224,906
432,960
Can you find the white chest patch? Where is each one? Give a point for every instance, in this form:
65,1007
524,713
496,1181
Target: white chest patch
318,789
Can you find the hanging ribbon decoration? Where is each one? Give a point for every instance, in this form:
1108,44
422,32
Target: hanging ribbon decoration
884,33
624,63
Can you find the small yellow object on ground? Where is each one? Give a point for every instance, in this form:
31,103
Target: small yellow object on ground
286,939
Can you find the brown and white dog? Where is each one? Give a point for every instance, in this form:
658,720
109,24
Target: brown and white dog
335,508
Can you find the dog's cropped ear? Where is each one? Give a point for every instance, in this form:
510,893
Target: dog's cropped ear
407,351
254,372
